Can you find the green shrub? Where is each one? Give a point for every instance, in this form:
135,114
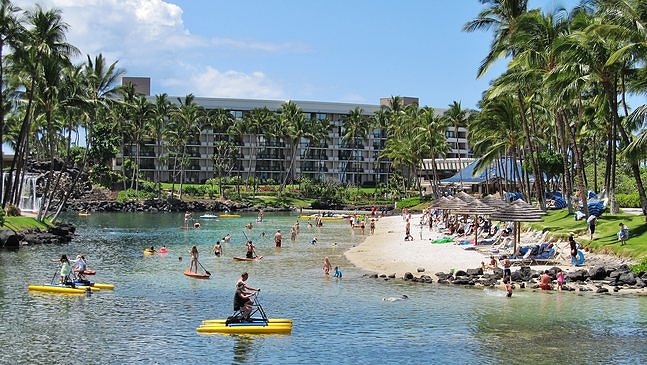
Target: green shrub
641,267
408,202
631,200
195,190
131,194
13,211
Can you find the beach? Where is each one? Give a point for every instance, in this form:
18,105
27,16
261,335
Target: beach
386,252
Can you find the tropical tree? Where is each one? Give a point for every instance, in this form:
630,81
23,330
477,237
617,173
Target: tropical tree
356,126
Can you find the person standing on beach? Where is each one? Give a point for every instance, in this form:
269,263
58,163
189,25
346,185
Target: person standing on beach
560,279
592,220
278,238
573,246
372,225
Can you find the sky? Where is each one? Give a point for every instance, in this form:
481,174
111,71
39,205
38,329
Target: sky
354,51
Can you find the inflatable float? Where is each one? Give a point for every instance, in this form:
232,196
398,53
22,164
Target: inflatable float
578,260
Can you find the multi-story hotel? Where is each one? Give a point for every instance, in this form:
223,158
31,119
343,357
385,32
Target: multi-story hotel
269,158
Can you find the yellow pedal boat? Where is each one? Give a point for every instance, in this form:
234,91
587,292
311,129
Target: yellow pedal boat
60,289
254,326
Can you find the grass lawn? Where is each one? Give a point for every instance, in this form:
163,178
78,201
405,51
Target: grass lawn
23,223
561,224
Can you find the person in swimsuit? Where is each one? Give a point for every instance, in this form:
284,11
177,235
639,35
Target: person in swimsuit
278,238
250,250
217,249
545,281
506,266
194,259
327,265
66,268
242,296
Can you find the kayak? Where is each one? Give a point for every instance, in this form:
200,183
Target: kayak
148,251
254,326
230,216
208,216
196,275
60,289
247,259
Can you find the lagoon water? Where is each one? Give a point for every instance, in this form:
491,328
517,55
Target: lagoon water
151,316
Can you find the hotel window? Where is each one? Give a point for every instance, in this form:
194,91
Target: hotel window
237,113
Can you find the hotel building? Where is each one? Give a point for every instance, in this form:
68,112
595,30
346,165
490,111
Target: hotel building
269,158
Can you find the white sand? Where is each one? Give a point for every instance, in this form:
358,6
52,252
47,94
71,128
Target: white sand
386,252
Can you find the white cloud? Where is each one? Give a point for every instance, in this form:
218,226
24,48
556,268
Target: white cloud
149,38
229,84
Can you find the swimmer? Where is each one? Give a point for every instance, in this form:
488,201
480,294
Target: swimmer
314,241
395,299
338,272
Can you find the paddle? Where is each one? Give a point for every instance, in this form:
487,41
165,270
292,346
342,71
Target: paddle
205,270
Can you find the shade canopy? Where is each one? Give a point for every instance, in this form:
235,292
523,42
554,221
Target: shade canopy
494,201
517,212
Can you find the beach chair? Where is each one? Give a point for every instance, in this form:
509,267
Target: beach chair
504,247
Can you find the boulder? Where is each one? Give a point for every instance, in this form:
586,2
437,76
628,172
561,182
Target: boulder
420,269
474,272
627,278
408,276
597,273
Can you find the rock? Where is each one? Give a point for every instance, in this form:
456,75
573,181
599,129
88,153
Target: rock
392,276
373,276
474,272
462,280
602,290
426,279
408,276
420,269
383,275
627,278
10,239
597,273
577,275
460,273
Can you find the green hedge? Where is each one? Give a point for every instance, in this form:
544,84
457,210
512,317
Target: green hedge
631,200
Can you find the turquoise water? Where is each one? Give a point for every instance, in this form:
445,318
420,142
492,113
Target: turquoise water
151,316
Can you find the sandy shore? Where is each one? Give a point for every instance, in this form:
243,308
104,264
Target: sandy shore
386,252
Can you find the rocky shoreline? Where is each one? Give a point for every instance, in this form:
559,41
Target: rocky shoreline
60,233
598,279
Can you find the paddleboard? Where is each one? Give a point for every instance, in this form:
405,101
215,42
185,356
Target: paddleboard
247,259
196,275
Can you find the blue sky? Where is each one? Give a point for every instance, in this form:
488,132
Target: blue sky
332,50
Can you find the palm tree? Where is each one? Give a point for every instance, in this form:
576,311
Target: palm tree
501,16
156,126
295,127
185,122
11,32
45,55
356,126
457,117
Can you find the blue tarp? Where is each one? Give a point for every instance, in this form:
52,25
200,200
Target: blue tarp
467,174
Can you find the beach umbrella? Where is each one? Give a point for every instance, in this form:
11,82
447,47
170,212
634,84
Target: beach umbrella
465,197
439,203
477,208
517,212
494,201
